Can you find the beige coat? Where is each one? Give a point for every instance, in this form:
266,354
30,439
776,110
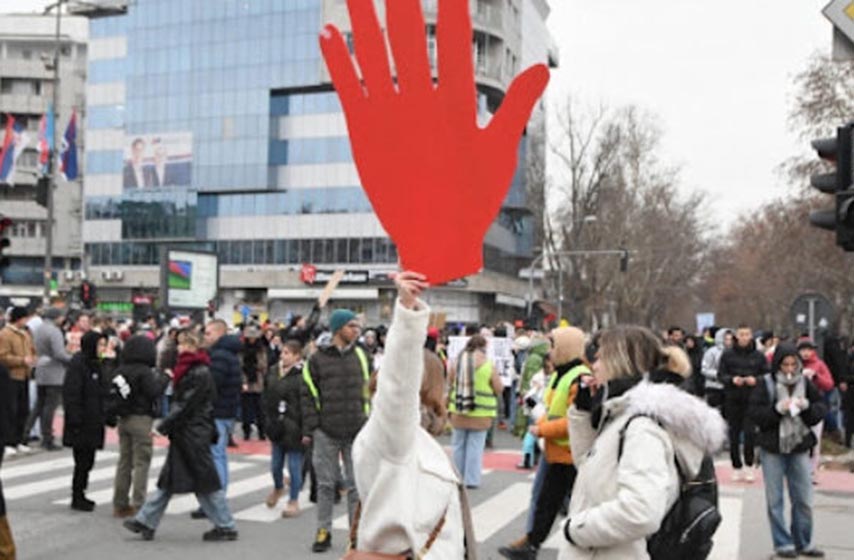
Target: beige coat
15,346
404,477
615,504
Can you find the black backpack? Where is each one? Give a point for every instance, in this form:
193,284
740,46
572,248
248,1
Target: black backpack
687,529
117,401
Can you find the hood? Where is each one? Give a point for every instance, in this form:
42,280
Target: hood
89,345
139,349
719,337
695,428
783,350
568,345
228,342
540,347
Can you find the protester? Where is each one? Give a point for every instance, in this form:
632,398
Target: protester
135,420
189,463
83,403
712,386
253,362
18,355
50,373
784,406
335,405
283,413
7,434
559,475
534,410
819,374
394,456
537,350
624,490
739,371
473,404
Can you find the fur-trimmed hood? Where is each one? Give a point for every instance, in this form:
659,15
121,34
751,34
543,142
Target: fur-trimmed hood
695,428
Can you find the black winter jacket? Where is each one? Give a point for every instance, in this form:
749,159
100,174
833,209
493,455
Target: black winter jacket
83,392
190,427
741,362
341,388
764,414
137,367
282,407
6,419
225,368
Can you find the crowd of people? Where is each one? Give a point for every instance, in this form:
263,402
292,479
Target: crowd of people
614,422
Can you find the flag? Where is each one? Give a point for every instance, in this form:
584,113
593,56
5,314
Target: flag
45,139
68,161
14,143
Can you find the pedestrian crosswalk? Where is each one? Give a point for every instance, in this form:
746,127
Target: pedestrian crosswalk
499,507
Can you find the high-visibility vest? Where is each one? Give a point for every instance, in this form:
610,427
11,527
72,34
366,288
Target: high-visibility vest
366,374
485,401
557,398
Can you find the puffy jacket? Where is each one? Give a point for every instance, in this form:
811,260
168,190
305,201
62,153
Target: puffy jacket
281,402
823,379
225,368
617,503
137,367
83,393
190,427
53,358
712,360
741,362
15,345
764,414
394,457
337,375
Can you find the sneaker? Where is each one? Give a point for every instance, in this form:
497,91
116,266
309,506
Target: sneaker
524,551
812,553
291,510
198,514
135,526
11,451
220,534
274,497
322,542
21,448
786,554
737,475
51,447
748,475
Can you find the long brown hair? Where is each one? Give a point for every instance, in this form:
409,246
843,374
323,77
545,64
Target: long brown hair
631,351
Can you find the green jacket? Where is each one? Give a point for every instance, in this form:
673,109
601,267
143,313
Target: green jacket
533,364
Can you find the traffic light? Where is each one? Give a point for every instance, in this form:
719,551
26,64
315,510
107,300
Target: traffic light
838,183
624,261
87,294
5,228
42,186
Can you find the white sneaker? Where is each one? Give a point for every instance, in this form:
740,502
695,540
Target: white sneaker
23,448
11,451
749,476
737,475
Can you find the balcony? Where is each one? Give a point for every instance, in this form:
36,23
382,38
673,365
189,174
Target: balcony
485,15
23,104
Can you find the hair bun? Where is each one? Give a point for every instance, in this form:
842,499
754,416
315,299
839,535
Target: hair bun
677,361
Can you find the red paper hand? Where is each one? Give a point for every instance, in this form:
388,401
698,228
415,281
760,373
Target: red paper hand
435,179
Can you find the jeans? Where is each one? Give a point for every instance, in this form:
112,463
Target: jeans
219,450
795,469
84,460
468,454
213,504
277,464
818,429
832,420
325,457
535,495
135,449
48,399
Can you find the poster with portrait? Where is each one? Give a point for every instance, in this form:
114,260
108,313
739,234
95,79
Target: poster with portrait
153,161
499,350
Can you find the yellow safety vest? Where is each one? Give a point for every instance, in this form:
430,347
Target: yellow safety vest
485,401
557,398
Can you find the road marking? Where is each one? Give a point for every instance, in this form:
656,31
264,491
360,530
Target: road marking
186,504
57,483
105,496
728,536
261,513
491,515
33,467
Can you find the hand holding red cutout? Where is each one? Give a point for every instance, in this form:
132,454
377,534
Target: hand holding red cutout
435,179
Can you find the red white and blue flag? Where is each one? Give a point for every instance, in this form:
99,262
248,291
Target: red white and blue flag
68,161
45,139
14,142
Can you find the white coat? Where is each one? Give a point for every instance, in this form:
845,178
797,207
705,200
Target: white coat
615,504
404,477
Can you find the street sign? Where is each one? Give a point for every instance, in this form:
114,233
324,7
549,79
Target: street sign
813,313
841,15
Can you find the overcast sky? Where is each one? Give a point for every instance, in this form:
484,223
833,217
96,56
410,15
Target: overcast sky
717,74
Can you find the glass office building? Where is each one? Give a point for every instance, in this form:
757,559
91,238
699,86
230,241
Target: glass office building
212,125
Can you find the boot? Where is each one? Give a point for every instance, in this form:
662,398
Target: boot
519,550
7,543
81,503
274,496
526,462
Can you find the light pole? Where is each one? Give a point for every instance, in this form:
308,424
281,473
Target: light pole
52,164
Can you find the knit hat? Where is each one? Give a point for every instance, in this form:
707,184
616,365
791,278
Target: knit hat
18,313
339,318
568,345
806,342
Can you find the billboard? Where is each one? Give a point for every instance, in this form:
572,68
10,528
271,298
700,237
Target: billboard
158,160
190,279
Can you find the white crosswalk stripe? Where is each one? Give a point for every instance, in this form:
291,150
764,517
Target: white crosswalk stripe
13,472
262,514
187,503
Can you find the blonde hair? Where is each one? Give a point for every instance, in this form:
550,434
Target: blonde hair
188,337
632,351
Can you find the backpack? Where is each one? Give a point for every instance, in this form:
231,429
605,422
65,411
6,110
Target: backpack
687,529
117,401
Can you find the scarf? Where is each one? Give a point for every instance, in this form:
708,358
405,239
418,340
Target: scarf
464,398
792,428
186,361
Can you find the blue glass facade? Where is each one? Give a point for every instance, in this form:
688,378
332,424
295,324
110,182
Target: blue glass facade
226,73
